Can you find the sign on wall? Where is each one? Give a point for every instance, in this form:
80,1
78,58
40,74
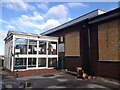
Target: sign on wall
119,45
17,50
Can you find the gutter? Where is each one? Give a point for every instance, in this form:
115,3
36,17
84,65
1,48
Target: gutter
104,18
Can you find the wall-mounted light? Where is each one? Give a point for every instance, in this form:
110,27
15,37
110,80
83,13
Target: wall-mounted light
84,26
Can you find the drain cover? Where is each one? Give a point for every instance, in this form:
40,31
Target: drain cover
49,75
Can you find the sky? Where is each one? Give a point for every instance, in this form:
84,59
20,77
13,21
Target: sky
37,17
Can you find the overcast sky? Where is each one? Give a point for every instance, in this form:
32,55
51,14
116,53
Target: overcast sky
37,17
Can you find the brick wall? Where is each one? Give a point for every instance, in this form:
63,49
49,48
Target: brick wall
108,38
72,62
119,37
108,69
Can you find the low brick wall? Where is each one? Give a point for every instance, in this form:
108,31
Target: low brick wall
36,72
108,69
72,62
33,72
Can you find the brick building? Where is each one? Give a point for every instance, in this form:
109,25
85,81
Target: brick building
92,42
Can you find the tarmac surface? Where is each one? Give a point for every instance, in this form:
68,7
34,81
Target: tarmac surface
57,80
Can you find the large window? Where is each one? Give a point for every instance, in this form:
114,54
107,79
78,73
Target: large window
20,63
52,62
21,45
31,62
42,47
41,62
52,48
32,47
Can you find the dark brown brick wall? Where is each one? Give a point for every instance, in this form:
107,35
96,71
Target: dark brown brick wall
72,62
119,38
93,48
108,69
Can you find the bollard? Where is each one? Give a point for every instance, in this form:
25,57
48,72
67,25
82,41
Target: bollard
17,68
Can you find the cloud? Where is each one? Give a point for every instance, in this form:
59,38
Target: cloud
2,36
36,17
50,23
18,6
57,12
38,22
42,6
76,5
10,27
3,21
36,31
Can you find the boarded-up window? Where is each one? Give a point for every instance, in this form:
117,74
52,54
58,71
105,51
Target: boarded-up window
72,44
108,40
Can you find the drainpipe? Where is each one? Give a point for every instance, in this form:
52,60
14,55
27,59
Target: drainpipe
89,46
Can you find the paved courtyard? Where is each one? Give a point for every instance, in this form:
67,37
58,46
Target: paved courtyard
56,80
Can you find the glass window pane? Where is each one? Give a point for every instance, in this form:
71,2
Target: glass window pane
21,63
31,62
42,47
41,62
21,45
52,48
32,47
52,62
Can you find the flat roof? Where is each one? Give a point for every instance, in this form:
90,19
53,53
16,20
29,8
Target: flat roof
11,33
74,21
110,14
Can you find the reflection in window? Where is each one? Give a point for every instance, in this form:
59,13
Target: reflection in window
21,45
21,63
41,62
52,62
42,47
52,48
32,47
31,62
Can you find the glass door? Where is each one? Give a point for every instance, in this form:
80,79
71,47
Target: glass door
52,54
42,54
32,52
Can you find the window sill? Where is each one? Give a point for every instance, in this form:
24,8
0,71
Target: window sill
108,60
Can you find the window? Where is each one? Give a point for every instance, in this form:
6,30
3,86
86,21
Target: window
52,62
32,47
52,48
21,63
21,45
31,62
42,47
41,62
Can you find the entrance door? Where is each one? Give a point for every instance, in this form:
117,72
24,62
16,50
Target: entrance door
42,54
52,54
47,54
32,52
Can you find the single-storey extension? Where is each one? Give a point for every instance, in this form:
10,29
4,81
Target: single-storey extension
30,51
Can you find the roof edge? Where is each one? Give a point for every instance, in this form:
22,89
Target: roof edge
76,20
